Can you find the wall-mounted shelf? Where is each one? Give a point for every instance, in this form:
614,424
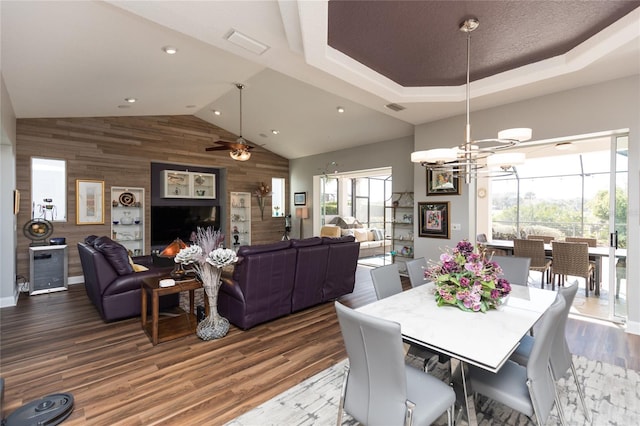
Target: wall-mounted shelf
127,218
179,184
240,220
402,228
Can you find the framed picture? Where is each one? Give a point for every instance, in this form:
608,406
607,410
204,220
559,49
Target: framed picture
299,198
442,182
434,219
89,202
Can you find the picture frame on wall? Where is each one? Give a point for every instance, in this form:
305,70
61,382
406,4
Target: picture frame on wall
433,219
299,198
89,202
442,182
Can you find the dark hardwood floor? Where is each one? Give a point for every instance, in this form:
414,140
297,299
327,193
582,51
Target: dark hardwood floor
57,343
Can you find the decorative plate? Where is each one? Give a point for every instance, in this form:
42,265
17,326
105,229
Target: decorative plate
127,199
38,229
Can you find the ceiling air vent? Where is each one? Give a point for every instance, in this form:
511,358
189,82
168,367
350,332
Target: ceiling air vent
395,107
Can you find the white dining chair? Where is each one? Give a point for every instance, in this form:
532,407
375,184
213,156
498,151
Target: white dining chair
560,358
415,270
514,269
378,387
530,390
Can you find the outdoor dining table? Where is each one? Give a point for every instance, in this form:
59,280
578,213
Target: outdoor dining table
486,340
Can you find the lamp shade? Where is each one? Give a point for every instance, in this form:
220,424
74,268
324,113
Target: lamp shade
519,134
438,155
506,159
172,249
302,212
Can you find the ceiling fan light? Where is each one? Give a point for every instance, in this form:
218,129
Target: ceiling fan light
240,154
435,156
506,160
519,134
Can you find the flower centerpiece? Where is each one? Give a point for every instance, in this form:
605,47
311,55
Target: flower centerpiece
467,279
207,257
261,193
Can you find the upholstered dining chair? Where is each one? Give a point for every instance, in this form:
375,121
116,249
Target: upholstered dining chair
378,387
591,242
514,269
386,282
415,269
560,358
530,390
534,249
572,259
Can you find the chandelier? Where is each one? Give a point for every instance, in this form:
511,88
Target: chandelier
470,157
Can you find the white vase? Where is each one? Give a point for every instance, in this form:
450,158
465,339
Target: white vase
213,326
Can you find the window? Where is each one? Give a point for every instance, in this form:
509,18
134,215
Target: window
49,189
561,195
277,197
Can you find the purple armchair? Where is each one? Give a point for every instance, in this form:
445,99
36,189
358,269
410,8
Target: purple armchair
110,281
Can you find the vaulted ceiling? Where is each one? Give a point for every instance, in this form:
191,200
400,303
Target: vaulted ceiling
61,59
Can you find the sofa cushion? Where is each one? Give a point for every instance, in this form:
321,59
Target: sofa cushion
115,254
345,232
307,242
263,248
90,239
329,240
361,235
377,234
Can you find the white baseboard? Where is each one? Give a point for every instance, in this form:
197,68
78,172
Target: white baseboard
633,327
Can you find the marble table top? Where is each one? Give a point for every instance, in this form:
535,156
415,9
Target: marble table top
482,339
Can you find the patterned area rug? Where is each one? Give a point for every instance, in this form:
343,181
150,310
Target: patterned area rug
612,393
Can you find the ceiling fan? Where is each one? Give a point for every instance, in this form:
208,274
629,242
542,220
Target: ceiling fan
239,150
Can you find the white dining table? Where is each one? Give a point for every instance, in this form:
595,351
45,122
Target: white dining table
486,340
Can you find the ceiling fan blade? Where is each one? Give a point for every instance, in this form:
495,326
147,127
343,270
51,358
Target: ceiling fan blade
217,148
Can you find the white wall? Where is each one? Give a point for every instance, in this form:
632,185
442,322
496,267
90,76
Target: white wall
395,154
602,107
8,289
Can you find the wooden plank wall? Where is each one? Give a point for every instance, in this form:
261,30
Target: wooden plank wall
119,151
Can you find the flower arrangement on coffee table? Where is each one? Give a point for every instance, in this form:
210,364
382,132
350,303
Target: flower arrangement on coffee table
207,257
465,278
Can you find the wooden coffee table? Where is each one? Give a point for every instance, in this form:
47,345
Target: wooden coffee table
170,327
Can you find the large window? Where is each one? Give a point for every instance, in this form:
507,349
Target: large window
49,189
561,195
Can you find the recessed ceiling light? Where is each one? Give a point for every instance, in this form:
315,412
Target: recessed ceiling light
216,112
340,109
275,132
130,100
170,50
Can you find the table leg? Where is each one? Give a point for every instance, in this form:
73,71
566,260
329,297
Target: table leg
191,302
143,309
155,307
459,372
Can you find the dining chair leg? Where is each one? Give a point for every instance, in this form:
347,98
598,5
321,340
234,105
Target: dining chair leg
343,392
558,406
587,415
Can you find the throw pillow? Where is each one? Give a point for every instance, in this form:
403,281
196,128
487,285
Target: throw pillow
361,235
345,232
136,267
115,254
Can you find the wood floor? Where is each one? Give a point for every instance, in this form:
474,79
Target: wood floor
57,343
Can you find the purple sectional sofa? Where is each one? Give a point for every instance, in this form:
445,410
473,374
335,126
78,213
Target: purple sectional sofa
273,280
110,281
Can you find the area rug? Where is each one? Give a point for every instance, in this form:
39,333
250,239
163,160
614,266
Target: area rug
612,393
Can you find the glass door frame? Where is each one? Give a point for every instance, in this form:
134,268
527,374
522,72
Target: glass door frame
616,270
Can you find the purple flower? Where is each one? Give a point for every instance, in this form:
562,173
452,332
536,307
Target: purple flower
464,281
495,294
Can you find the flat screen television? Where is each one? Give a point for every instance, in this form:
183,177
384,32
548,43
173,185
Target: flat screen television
171,222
